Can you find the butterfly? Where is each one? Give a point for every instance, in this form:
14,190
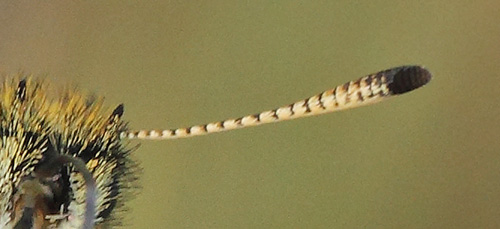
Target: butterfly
64,159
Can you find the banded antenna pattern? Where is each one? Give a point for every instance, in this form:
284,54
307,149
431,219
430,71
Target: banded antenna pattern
364,91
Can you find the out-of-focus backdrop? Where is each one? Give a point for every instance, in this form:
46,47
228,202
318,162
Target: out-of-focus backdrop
428,159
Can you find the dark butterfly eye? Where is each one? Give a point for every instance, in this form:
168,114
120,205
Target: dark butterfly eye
35,192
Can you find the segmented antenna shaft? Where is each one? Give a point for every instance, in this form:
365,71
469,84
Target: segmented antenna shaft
364,91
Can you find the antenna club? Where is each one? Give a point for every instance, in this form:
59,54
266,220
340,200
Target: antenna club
407,78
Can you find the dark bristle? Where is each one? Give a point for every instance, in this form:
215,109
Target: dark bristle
118,111
21,90
407,78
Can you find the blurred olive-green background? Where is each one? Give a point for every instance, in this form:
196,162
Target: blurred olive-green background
428,159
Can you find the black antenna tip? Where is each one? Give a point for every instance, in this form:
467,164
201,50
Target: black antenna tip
407,78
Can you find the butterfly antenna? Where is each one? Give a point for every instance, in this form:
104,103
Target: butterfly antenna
364,91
